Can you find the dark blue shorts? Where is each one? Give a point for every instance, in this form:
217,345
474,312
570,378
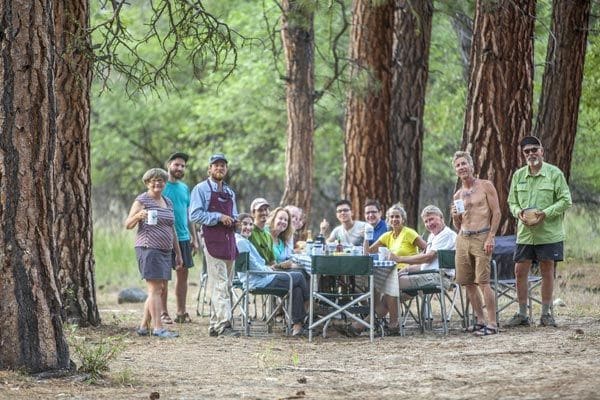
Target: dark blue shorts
539,252
186,254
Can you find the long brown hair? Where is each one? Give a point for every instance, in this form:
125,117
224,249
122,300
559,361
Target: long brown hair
286,235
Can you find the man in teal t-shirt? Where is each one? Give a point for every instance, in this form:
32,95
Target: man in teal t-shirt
179,194
540,189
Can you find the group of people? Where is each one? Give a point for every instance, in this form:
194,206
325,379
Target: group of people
538,198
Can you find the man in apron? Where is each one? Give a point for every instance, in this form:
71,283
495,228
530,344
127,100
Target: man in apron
212,205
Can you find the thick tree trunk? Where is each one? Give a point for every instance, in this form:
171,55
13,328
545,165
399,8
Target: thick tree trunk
31,333
73,222
412,38
499,103
367,165
298,41
556,122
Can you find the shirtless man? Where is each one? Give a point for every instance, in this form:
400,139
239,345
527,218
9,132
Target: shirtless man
477,226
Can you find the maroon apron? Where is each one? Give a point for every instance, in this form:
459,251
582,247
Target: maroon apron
220,239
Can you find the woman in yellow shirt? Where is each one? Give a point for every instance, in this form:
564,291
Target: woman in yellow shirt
400,241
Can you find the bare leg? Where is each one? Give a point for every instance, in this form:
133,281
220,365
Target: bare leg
163,298
547,271
392,306
521,277
181,286
490,303
153,303
475,299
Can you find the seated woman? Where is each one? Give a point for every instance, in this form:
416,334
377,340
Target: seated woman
300,294
400,241
281,231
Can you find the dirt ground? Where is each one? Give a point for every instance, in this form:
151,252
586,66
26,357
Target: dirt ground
524,363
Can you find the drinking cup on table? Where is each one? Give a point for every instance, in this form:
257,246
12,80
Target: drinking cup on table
152,218
384,254
459,204
368,232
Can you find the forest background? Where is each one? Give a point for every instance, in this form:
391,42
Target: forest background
243,112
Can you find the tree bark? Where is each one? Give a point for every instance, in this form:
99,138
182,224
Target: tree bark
367,164
556,122
298,42
73,222
499,103
412,38
31,333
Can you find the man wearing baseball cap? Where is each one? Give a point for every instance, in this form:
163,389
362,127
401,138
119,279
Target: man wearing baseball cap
179,194
538,198
212,205
261,237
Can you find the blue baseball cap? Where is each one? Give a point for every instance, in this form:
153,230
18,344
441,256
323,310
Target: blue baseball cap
217,157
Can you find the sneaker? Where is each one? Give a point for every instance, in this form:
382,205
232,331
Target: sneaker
142,332
518,320
393,331
164,333
212,332
548,320
228,331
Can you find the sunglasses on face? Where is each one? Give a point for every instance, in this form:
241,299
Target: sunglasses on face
342,210
531,150
371,212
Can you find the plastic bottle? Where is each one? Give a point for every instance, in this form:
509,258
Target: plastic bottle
309,242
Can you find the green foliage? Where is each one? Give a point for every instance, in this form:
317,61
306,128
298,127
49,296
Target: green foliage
95,357
116,266
582,227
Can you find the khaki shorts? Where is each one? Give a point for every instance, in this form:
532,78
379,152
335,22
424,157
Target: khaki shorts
472,264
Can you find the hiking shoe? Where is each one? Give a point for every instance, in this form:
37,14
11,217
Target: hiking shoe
518,320
548,320
164,333
393,331
228,331
142,332
212,332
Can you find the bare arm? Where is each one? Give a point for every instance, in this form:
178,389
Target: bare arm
422,258
494,204
136,214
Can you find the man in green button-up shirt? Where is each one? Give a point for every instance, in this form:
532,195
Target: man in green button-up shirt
542,187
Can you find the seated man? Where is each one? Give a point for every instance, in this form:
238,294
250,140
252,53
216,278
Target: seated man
261,237
300,295
349,232
440,238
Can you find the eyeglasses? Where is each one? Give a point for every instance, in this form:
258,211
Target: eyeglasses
371,212
531,150
342,210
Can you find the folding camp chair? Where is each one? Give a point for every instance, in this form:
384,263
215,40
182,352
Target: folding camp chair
242,268
201,298
503,277
348,304
422,296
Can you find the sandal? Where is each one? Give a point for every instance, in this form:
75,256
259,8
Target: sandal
183,318
487,331
474,328
165,319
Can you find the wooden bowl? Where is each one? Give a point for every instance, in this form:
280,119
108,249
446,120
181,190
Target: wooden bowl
530,217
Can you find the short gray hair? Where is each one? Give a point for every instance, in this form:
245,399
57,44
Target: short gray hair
397,207
431,209
463,154
155,173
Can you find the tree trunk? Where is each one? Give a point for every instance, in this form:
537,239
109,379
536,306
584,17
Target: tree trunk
556,122
31,333
499,103
367,165
412,38
298,41
73,222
